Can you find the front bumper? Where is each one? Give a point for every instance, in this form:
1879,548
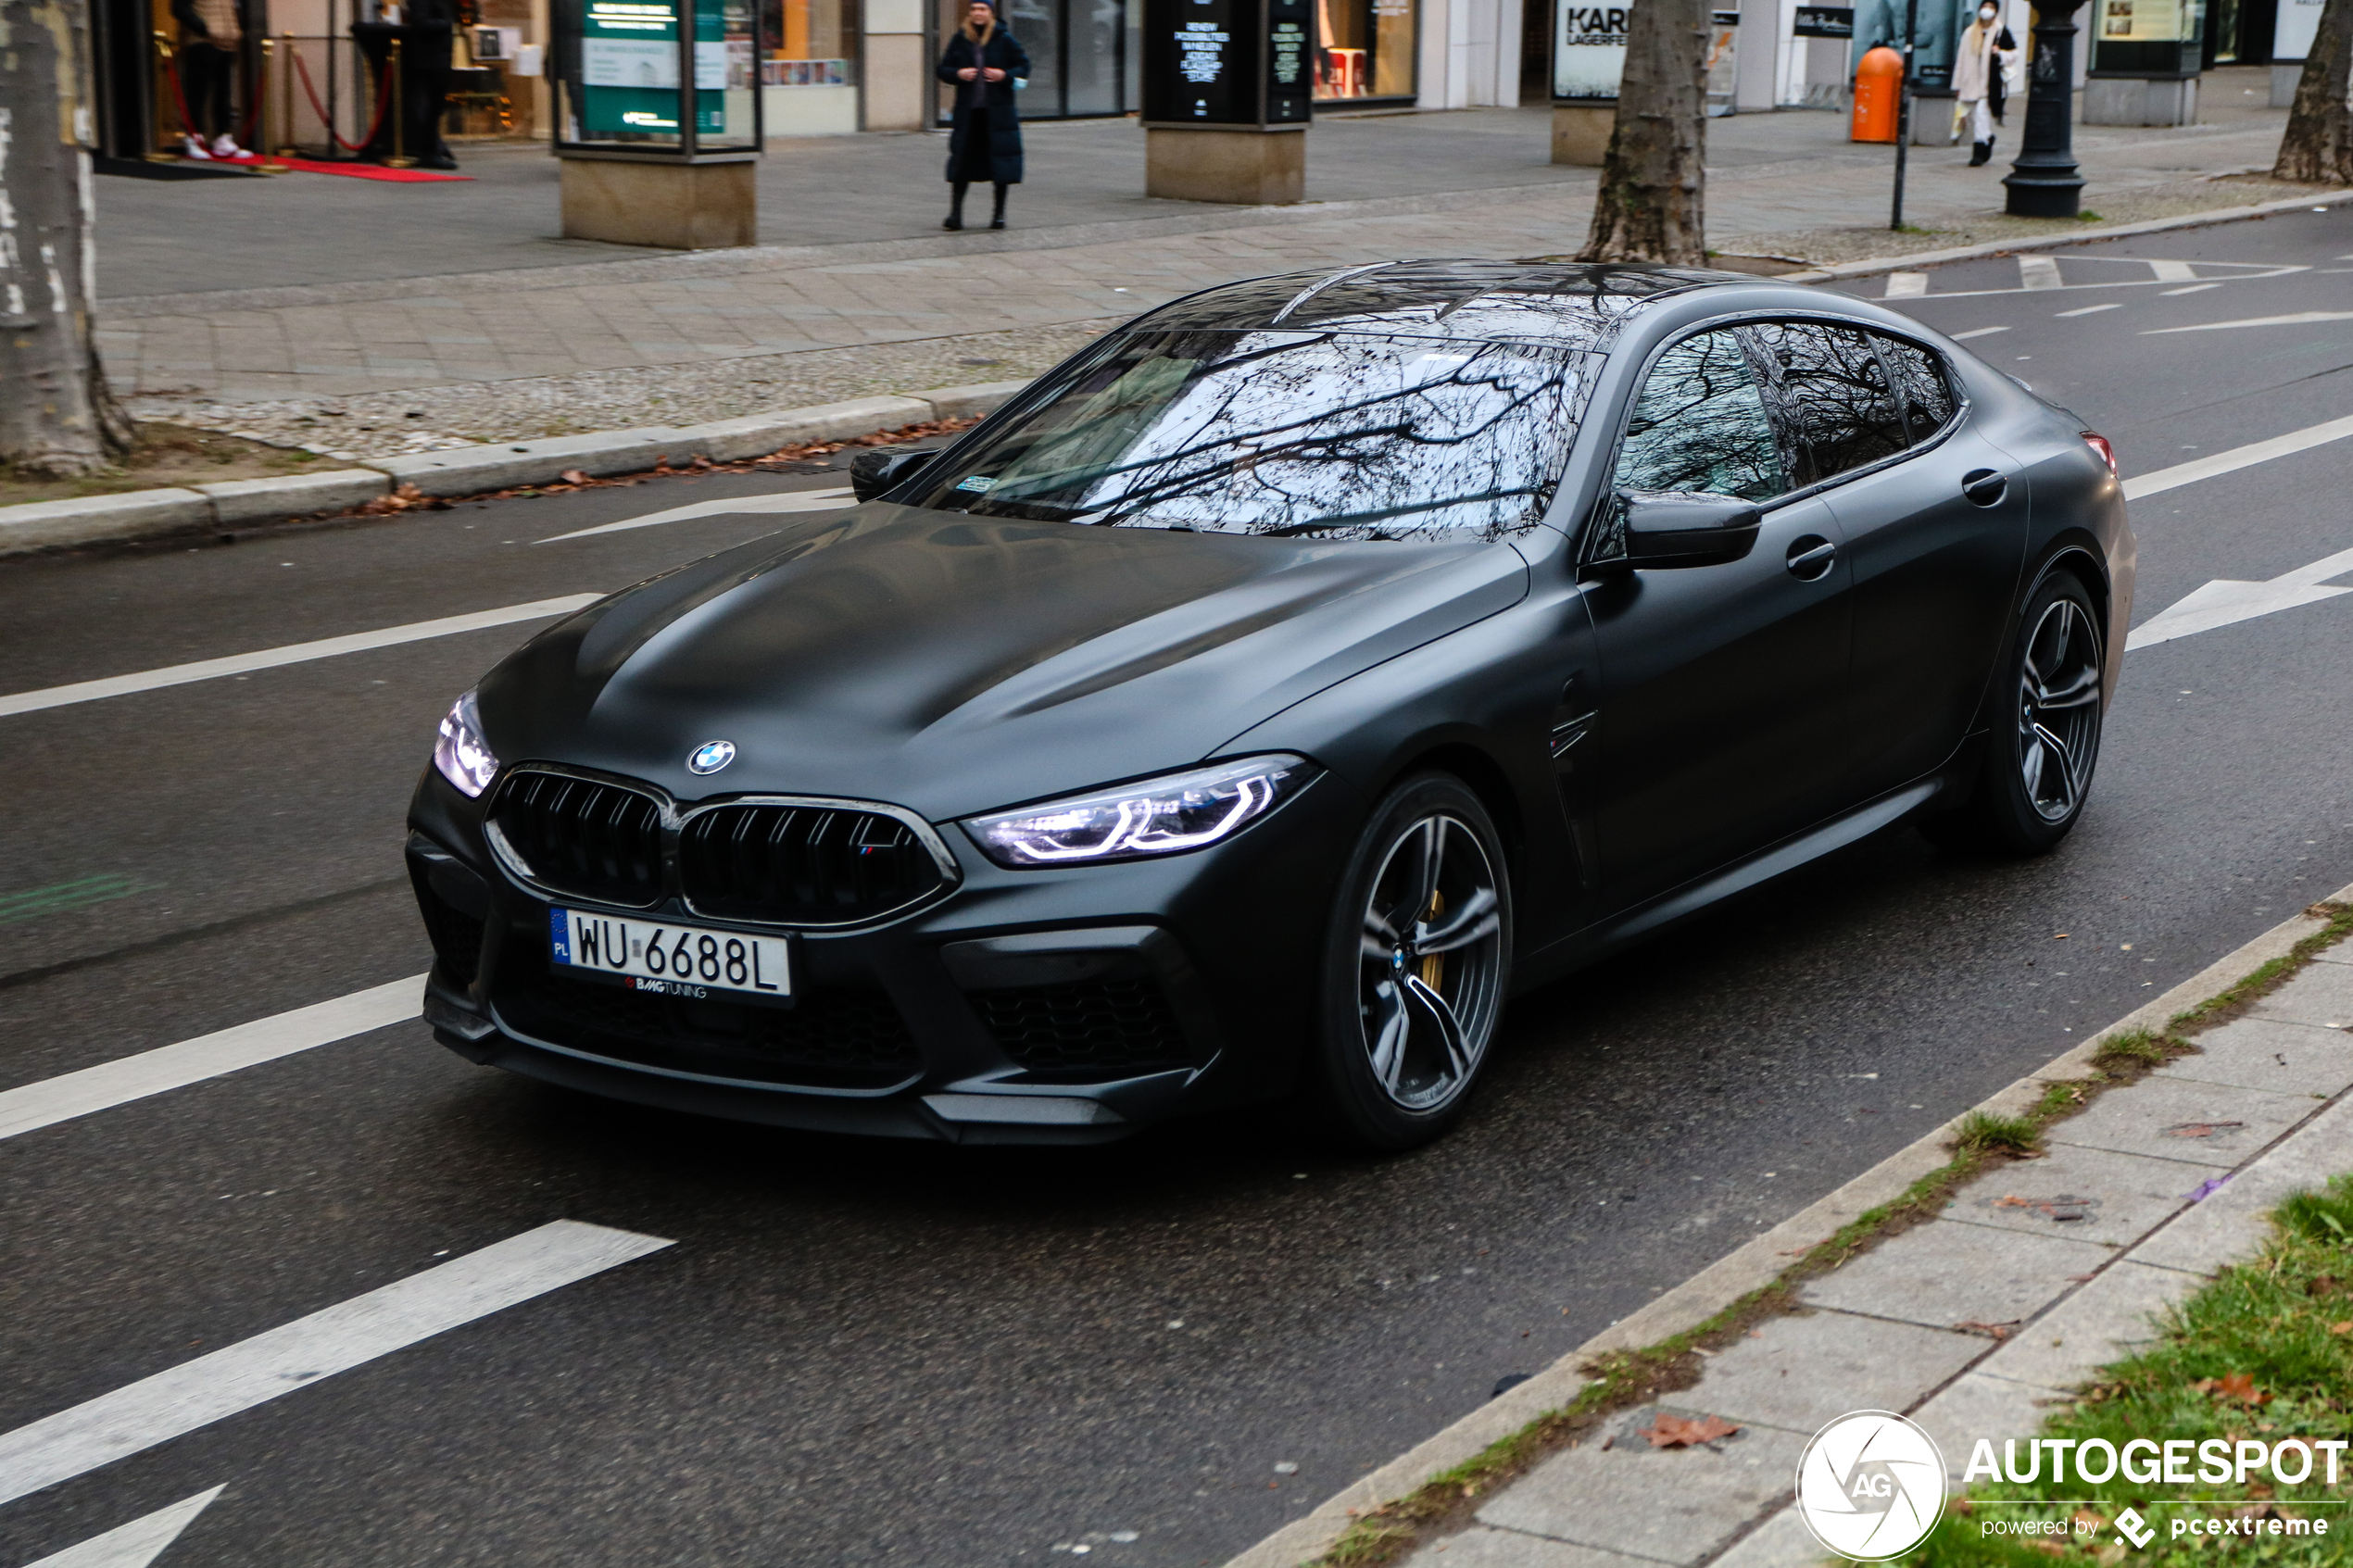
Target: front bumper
1062,1006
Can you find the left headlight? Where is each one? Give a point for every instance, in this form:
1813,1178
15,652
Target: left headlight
1162,816
463,757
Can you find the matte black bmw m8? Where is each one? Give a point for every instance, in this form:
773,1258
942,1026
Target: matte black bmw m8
1263,696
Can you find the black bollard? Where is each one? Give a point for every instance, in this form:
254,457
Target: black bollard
2042,182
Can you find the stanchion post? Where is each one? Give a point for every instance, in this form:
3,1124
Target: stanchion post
398,110
163,96
286,98
266,164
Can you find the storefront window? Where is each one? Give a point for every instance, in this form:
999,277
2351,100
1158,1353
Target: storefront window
811,43
1079,54
1368,49
621,66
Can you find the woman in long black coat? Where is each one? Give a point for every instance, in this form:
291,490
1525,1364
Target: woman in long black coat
982,62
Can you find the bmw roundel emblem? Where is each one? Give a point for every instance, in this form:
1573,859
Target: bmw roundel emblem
711,756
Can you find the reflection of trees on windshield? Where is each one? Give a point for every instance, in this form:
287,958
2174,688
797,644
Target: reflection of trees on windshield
1926,399
1700,425
1834,395
1282,432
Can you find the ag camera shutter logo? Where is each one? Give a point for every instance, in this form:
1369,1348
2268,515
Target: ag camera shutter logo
1871,1486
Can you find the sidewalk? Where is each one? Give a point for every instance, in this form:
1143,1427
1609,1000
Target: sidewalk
322,312
2032,1275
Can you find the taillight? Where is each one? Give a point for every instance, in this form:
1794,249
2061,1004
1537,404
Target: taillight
2099,444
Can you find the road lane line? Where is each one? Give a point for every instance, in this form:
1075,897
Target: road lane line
2225,602
2173,271
128,1078
790,501
2038,272
1982,331
252,1372
133,1545
1906,285
2194,288
2087,311
292,653
2300,319
2236,457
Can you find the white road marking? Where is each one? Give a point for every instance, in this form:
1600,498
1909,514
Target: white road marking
252,1372
2038,272
2234,271
292,653
2194,288
1982,331
2235,458
2088,311
2222,603
128,1078
133,1545
2302,318
2173,271
791,501
1905,286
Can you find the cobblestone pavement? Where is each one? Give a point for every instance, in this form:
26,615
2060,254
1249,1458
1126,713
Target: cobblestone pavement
512,351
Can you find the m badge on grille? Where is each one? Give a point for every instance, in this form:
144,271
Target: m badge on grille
711,756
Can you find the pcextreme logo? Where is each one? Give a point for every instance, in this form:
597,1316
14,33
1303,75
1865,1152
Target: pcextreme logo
1871,1486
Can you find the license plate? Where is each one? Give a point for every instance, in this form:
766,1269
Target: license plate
672,960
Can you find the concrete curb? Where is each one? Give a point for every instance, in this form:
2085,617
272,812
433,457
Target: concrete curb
1873,266
468,470
1759,1262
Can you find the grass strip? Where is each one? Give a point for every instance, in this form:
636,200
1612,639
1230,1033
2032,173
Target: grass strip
2279,1330
1625,1380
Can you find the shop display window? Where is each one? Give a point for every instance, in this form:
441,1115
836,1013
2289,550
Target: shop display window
809,42
1365,49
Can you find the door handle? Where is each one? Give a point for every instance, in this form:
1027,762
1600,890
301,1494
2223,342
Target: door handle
1810,556
1984,487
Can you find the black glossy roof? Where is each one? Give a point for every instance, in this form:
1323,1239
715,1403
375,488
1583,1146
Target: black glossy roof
1574,302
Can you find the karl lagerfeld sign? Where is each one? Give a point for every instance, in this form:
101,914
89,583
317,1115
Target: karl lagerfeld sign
1588,50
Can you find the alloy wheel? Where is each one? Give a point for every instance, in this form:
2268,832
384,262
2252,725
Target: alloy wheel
1431,963
2059,711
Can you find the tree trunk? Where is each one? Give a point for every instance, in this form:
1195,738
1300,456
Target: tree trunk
56,414
2317,146
1651,206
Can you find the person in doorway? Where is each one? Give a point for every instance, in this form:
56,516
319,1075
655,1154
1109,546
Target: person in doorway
210,34
1980,78
984,64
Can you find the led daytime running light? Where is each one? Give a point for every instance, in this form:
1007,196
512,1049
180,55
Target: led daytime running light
1165,816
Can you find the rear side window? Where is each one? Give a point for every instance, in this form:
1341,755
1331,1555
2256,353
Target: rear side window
1928,397
1835,396
1700,425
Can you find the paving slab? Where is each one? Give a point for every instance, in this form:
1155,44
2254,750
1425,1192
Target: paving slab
1980,1406
1670,1505
1799,1373
2094,1195
2227,1226
1941,1273
2112,1317
2210,1124
2262,1053
2322,995
1481,1546
1782,1541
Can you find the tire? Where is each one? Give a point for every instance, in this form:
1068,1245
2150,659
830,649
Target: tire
1411,994
2036,772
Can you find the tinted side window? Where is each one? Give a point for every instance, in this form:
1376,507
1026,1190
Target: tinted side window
1928,397
1700,425
1832,390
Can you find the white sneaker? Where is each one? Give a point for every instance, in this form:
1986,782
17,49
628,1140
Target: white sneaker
195,149
224,147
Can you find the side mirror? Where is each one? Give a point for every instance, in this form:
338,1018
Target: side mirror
1665,528
879,471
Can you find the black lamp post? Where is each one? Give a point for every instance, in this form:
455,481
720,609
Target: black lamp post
2042,182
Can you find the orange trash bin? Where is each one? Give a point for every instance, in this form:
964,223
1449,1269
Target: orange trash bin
1878,77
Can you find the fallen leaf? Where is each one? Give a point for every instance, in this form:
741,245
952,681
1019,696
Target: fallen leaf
2345,1327
2237,1387
1676,1431
574,476
1991,1330
2012,1201
2202,1129
2058,936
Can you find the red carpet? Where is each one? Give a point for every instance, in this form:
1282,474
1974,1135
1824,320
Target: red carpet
355,171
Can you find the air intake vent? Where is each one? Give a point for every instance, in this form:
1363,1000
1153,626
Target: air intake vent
802,864
1090,1029
576,836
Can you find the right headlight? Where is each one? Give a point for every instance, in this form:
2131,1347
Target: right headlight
1162,816
463,757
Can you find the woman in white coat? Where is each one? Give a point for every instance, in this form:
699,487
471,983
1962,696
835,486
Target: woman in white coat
1982,72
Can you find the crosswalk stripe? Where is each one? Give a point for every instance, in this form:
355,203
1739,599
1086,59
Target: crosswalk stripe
295,1355
208,1056
133,1545
292,653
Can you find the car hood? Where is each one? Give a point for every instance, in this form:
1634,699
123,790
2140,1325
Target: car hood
952,663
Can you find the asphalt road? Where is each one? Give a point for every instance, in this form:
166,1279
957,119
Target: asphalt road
861,1354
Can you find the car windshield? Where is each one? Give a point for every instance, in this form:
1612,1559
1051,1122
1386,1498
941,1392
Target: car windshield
1338,434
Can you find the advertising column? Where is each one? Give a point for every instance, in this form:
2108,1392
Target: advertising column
1589,56
1227,99
2146,56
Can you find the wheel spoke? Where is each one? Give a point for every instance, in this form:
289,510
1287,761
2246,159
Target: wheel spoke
2083,689
2047,742
1389,1041
1378,941
1430,852
1479,918
2031,762
1441,1017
